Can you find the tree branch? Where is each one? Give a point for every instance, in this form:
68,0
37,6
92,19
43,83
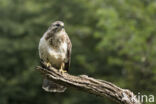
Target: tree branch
87,84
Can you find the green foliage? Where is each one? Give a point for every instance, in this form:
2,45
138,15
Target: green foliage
112,40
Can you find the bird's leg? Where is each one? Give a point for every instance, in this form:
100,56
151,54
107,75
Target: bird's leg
62,68
48,64
45,64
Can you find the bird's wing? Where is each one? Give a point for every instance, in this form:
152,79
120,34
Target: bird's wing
68,55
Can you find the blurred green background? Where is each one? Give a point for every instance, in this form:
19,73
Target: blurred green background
113,40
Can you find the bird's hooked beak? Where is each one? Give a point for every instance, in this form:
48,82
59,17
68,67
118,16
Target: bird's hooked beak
62,27
59,28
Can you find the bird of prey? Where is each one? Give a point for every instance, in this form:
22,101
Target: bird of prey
55,50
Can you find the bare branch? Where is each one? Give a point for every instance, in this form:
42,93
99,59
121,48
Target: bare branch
87,84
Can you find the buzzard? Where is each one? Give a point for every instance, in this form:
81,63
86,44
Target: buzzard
55,50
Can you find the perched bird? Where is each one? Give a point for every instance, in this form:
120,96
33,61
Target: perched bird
55,50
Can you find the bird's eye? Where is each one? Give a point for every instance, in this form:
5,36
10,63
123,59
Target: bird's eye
57,25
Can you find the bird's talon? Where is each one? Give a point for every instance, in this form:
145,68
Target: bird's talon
62,71
48,65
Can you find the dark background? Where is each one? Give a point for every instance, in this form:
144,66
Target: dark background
113,40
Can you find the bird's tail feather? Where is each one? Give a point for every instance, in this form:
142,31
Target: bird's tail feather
51,86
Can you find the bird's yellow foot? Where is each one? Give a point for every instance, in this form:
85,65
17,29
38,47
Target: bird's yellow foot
62,71
48,64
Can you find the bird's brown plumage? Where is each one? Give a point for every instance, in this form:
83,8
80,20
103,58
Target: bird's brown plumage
55,48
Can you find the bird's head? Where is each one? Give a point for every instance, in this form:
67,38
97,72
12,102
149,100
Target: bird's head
57,26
